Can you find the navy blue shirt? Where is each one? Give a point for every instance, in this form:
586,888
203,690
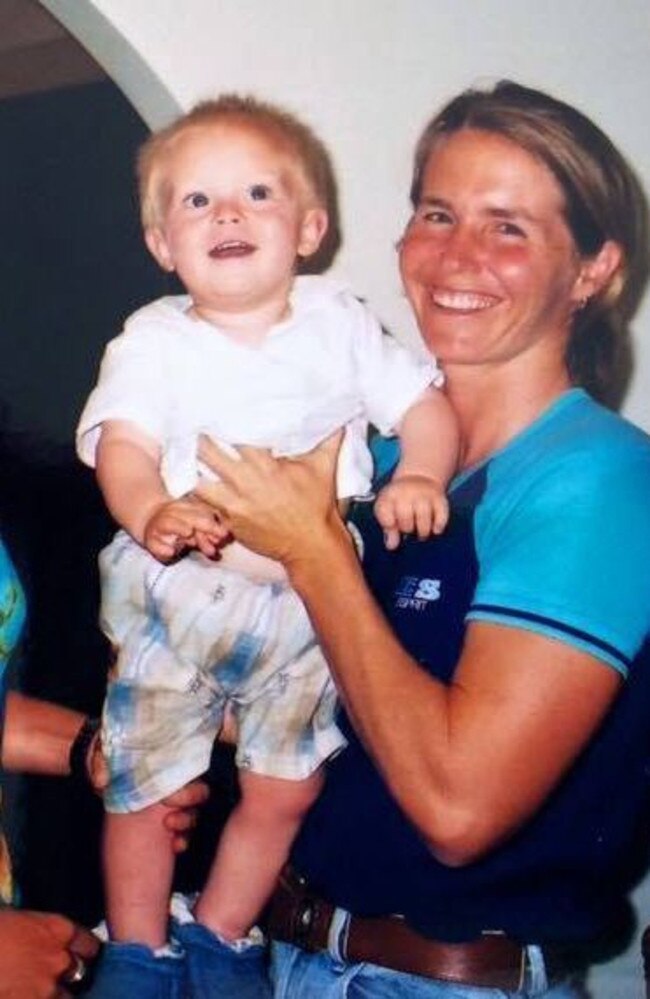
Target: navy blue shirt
551,534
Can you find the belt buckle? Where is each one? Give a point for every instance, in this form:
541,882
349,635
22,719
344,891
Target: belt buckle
523,962
523,957
303,924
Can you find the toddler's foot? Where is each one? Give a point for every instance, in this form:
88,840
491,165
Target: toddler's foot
221,969
129,969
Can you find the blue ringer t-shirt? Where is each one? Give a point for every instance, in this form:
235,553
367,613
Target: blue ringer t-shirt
551,534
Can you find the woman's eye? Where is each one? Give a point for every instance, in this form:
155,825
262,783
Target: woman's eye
196,200
434,215
259,192
510,229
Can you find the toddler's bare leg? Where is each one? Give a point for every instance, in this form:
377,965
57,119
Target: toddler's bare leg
252,851
138,870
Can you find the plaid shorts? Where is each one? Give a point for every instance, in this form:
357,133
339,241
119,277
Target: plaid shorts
192,639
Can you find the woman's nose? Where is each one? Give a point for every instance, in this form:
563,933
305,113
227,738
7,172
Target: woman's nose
462,247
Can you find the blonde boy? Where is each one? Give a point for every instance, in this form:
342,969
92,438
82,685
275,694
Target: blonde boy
233,195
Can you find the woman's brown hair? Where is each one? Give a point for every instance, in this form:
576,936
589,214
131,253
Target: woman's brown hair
603,200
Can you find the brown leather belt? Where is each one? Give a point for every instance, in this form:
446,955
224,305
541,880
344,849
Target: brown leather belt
298,917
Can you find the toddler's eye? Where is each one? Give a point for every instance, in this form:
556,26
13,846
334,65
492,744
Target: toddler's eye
259,192
196,200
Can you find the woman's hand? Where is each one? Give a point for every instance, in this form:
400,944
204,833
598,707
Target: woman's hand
279,507
39,952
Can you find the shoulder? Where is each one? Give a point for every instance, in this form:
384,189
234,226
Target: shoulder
601,462
155,327
580,468
334,317
316,289
577,447
584,426
314,293
562,530
166,313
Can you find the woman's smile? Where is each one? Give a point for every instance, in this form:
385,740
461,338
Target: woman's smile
450,300
488,262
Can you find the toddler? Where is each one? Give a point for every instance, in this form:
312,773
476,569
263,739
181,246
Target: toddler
233,195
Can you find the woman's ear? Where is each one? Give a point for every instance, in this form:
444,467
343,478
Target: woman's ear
597,272
312,229
158,247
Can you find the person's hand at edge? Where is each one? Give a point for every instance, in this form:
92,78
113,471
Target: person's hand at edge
182,806
38,950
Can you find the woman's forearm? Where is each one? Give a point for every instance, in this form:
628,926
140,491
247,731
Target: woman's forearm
286,510
470,761
398,710
37,735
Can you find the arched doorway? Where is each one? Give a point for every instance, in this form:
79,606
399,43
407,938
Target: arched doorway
118,58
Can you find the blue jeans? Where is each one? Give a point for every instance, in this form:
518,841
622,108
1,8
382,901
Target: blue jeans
129,969
204,968
299,975
218,971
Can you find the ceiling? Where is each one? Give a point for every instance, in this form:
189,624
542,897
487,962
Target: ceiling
37,53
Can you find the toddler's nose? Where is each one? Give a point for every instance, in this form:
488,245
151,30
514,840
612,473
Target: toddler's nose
227,211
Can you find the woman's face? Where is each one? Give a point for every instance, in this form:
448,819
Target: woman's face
487,260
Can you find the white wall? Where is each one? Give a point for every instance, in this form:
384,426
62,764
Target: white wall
367,74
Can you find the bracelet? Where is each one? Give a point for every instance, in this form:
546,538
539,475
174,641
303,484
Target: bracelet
78,756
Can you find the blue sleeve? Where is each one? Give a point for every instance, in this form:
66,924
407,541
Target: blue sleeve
12,615
570,557
385,455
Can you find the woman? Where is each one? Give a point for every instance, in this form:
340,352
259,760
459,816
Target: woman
493,678
42,953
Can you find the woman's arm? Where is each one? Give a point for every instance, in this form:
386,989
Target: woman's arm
471,761
468,762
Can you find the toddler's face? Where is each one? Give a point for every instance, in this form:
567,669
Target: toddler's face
236,216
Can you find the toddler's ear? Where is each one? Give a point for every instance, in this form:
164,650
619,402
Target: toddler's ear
158,247
312,229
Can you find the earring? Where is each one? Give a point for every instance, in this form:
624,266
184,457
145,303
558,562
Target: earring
582,304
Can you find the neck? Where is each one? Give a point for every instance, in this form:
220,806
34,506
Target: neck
248,326
493,408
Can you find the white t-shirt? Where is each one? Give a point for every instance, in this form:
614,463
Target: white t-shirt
329,365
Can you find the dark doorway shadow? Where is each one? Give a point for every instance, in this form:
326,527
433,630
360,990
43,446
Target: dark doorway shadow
73,267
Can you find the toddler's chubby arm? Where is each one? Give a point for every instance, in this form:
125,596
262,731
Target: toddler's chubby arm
128,472
414,501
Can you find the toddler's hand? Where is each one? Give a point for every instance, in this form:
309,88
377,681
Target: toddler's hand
411,504
180,524
209,542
